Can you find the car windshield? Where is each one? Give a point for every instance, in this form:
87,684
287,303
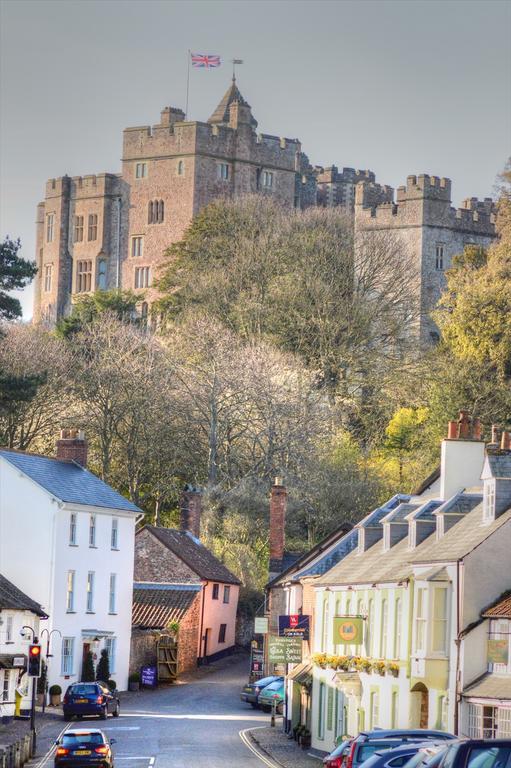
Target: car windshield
83,690
369,748
340,749
264,682
273,686
489,756
72,740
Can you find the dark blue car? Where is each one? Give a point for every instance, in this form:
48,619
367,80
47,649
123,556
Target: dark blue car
83,699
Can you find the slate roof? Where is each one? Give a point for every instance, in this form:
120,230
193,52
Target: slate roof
490,687
461,503
194,554
221,113
156,605
13,598
500,466
68,481
501,609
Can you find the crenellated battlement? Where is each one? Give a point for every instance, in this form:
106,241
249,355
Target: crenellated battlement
76,187
424,186
370,194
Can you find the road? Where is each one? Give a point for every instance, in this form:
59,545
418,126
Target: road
193,725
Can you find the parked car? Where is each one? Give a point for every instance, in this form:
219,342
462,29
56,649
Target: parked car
427,757
337,758
88,748
478,753
90,699
273,692
399,756
369,742
251,691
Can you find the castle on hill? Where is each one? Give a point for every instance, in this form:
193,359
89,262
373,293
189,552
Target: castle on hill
110,230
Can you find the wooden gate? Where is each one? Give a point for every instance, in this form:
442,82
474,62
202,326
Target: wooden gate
167,659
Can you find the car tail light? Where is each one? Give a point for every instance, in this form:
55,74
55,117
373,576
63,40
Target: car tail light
101,750
62,751
66,698
100,700
335,762
349,759
275,696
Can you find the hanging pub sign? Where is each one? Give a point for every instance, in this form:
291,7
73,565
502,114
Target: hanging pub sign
348,630
284,650
498,651
294,625
261,625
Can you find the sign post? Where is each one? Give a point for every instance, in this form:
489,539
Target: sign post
294,625
284,650
34,672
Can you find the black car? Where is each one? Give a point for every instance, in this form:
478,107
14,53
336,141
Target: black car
251,691
478,753
90,699
379,740
401,755
84,747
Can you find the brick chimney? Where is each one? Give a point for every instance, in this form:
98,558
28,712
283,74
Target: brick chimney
190,506
278,503
72,446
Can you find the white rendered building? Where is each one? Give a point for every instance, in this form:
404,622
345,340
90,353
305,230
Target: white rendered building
67,539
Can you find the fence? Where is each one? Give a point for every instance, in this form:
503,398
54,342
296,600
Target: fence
16,754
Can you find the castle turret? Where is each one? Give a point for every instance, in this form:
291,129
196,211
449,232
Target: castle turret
233,110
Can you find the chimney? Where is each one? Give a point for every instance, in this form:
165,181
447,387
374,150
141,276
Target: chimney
72,446
505,443
462,456
278,503
190,506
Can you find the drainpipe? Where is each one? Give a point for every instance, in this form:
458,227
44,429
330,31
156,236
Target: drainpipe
118,254
458,646
201,639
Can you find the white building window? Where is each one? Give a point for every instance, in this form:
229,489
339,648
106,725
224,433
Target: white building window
92,227
112,597
326,624
114,535
142,277
84,276
439,257
321,713
50,227
67,660
383,628
47,277
475,721
137,245
398,617
110,646
439,620
222,170
489,501
78,229
92,531
394,709
369,627
70,593
442,713
72,528
8,630
267,179
90,592
227,592
141,170
375,709
5,685
420,620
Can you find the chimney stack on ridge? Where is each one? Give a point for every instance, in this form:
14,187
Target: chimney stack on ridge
278,504
72,446
190,506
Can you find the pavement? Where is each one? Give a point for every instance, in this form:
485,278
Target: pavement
200,723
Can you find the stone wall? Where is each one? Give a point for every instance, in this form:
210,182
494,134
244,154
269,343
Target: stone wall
154,562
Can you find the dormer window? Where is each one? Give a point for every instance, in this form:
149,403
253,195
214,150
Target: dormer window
489,501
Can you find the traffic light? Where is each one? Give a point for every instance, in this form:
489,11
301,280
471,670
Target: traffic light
34,661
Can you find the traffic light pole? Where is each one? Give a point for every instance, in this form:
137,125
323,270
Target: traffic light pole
32,716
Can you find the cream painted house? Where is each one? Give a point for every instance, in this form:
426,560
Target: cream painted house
425,567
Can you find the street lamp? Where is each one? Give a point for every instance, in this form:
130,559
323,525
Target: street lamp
48,654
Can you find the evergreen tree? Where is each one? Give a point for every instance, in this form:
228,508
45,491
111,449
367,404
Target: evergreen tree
15,273
88,669
103,668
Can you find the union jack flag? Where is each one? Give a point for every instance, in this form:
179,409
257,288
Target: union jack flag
205,60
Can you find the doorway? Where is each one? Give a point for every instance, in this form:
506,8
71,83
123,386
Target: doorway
419,706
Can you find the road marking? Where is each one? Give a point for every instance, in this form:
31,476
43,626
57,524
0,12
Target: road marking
52,748
121,728
134,757
158,715
248,743
151,762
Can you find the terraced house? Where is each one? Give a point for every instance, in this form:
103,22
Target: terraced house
392,615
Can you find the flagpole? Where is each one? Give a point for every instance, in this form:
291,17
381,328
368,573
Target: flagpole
187,83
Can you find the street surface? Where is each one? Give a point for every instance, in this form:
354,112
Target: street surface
193,725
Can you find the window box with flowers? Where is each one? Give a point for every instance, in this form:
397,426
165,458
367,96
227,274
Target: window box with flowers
392,669
363,665
379,667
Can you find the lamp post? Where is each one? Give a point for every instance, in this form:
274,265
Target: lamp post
48,655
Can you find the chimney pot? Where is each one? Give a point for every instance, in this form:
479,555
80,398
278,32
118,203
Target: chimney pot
190,510
278,481
72,446
278,503
505,443
476,429
452,430
464,425
495,434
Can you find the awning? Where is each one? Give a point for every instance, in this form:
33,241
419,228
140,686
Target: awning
489,686
92,633
349,683
301,674
13,661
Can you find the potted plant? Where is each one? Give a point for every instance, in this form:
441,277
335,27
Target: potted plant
103,668
134,682
55,694
112,685
305,741
379,667
320,660
173,629
364,665
42,685
393,669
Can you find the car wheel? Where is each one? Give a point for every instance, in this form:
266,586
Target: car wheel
67,718
117,710
104,713
253,705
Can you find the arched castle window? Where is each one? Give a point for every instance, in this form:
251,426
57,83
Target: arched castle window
155,212
102,274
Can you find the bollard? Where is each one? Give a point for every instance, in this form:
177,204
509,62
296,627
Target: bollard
273,710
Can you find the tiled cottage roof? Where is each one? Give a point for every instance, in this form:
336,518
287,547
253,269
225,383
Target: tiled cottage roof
156,605
68,481
500,465
501,609
13,598
194,554
490,687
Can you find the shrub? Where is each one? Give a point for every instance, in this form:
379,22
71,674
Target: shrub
55,690
88,669
103,668
112,685
134,678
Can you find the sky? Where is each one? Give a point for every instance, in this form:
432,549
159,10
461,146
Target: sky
397,86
